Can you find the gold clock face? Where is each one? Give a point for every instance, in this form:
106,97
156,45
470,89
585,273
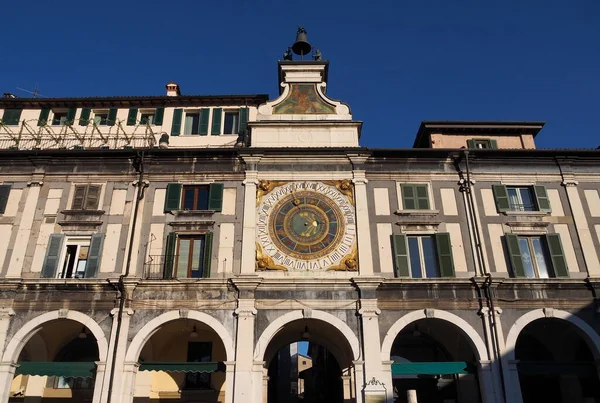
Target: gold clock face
305,226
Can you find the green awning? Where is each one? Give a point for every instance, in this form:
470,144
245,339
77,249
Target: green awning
66,369
432,368
206,367
583,369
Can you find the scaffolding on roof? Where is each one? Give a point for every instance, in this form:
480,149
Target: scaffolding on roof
33,134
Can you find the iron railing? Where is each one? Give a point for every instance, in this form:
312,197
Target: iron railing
158,267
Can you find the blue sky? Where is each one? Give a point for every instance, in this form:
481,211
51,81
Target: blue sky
394,62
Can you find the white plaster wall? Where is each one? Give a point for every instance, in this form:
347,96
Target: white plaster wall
597,227
555,203
229,195
117,202
565,237
41,245
159,202
18,255
5,232
458,249
384,243
382,201
489,203
496,232
593,202
399,194
155,242
225,255
585,235
304,136
53,201
12,205
449,201
110,248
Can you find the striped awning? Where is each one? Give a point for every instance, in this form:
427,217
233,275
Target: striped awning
66,369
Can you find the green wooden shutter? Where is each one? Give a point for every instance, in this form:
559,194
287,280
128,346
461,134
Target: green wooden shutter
204,115
79,197
52,255
159,114
12,116
84,118
71,116
422,198
4,192
471,143
444,252
501,196
43,119
132,117
215,197
94,256
558,255
172,199
92,197
400,250
207,258
176,126
409,201
514,251
543,203
170,255
243,120
112,117
216,121
493,144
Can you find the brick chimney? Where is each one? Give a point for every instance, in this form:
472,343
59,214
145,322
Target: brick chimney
173,89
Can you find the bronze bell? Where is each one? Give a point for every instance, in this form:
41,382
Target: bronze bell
301,46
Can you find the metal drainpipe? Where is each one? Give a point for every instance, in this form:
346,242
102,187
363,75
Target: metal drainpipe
487,283
138,164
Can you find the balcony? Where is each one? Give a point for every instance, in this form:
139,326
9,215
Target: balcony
154,267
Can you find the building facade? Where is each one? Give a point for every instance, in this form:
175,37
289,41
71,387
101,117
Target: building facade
167,248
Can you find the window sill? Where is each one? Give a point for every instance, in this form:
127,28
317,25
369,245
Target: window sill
526,213
83,212
405,213
199,213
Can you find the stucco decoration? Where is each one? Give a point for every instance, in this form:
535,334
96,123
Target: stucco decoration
303,98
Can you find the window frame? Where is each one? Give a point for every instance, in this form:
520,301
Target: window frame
78,242
537,193
422,263
491,144
101,121
71,201
196,189
400,196
230,112
552,250
147,112
64,116
12,122
520,206
190,263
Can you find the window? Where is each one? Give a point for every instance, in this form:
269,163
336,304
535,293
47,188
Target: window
11,116
194,197
73,257
86,197
198,352
60,118
232,123
415,197
423,256
192,123
4,192
188,256
482,143
536,256
521,198
147,118
101,119
74,383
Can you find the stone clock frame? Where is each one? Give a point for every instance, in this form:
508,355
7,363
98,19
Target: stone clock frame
306,226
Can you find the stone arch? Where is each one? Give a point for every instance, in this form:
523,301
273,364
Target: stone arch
511,340
275,326
25,333
472,335
140,339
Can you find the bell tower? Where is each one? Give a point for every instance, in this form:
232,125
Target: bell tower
303,115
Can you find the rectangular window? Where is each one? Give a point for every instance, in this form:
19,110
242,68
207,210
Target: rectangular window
11,116
198,352
482,143
189,258
521,198
59,119
195,197
86,197
101,119
231,123
192,123
415,197
147,118
536,256
73,383
75,259
422,253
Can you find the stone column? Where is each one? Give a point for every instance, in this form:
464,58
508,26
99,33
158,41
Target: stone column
249,223
126,380
248,387
347,385
100,371
5,316
7,374
359,380
363,228
590,255
511,382
387,379
229,376
34,390
490,382
122,390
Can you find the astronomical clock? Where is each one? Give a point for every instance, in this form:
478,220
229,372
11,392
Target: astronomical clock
306,226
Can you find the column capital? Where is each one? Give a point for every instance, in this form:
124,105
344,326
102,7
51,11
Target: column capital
35,183
251,159
245,308
359,177
6,312
126,311
368,308
569,183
